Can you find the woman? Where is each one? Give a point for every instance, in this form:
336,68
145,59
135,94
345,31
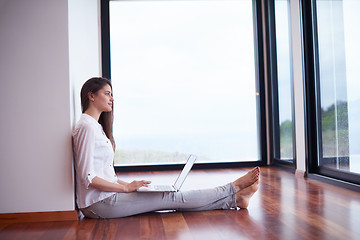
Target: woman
100,194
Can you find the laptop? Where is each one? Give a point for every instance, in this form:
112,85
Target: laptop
178,183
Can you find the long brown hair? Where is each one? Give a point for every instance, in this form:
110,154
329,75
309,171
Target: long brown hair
106,118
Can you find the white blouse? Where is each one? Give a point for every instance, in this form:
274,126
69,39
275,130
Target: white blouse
94,156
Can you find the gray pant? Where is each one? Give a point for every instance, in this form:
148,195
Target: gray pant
126,204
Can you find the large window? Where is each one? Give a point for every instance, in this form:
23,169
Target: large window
185,81
281,79
339,69
284,81
337,100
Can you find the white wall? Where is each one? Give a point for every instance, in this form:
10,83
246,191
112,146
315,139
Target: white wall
35,150
39,92
84,48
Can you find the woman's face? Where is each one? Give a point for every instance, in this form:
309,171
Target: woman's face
103,99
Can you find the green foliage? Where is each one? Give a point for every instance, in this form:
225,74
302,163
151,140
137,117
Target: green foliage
286,128
329,117
335,143
286,140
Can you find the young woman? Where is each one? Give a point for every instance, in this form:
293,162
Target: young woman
100,194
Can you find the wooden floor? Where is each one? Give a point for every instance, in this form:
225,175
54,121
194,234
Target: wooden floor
284,207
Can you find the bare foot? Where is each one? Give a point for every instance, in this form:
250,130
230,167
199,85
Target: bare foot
243,196
248,179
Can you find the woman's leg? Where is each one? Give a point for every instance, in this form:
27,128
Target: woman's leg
126,204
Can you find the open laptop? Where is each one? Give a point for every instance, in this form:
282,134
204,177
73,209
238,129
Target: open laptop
178,183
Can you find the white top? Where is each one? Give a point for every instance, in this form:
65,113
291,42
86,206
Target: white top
94,156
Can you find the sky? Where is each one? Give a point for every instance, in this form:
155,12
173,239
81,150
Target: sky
178,70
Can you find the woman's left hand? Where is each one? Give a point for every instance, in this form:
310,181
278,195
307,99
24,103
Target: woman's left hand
135,185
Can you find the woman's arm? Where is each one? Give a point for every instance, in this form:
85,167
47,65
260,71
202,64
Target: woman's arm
106,186
122,182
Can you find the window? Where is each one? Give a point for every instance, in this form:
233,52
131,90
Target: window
284,81
339,101
335,111
281,78
185,81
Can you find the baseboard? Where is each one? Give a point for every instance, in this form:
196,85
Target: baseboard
39,217
300,173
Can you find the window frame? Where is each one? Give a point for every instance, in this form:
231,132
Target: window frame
259,72
313,140
273,93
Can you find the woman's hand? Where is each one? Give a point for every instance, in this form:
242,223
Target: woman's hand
120,186
135,185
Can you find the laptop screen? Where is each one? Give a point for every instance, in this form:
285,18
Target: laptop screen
180,180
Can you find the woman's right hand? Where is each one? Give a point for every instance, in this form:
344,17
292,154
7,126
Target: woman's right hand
135,185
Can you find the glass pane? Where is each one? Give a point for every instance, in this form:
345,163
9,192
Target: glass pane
339,68
284,73
183,76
